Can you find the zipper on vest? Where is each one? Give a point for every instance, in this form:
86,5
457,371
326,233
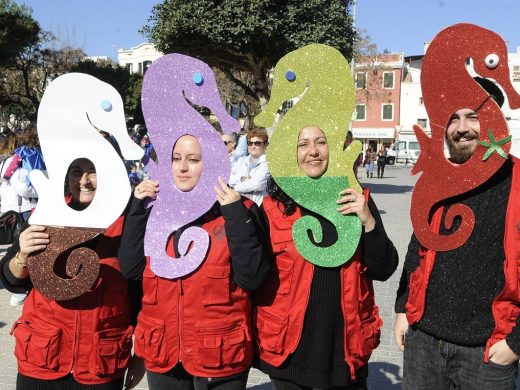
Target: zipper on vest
181,293
76,341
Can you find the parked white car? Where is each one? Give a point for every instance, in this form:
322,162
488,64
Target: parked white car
403,151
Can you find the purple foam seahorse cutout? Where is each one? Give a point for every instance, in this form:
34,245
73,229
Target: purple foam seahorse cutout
168,85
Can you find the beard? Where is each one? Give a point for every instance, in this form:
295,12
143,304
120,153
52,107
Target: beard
460,153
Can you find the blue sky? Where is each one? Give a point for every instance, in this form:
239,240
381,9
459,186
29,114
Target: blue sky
102,27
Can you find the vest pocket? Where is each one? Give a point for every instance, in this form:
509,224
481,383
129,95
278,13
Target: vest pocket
220,346
371,333
150,282
37,346
216,285
111,351
149,339
272,329
284,267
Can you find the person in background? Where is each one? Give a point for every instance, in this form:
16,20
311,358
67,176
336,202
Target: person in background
16,191
348,140
250,173
370,158
241,147
381,161
230,142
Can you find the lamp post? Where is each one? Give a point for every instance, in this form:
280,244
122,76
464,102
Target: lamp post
354,28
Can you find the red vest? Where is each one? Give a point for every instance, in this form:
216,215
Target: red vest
90,335
202,320
284,297
505,305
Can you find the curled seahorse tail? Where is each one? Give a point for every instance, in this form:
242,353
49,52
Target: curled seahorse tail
440,243
193,246
80,271
349,231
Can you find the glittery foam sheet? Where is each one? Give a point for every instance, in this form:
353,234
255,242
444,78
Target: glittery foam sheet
73,107
447,87
321,76
65,270
170,84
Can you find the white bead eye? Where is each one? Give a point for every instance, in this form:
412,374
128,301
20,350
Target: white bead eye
492,61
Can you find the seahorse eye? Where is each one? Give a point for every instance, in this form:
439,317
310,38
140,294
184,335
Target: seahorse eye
106,105
198,78
492,61
290,76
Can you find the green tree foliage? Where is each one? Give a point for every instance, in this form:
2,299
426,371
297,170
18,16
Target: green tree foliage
244,39
24,79
18,30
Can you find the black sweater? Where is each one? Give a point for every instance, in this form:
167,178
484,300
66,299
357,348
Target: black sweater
319,359
244,232
465,280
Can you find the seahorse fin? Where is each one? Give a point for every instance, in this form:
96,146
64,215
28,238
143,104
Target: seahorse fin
425,143
38,180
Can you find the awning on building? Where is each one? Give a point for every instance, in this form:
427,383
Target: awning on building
373,132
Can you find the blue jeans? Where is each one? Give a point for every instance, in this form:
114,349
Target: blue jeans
433,364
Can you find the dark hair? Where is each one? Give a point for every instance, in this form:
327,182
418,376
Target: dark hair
29,137
289,205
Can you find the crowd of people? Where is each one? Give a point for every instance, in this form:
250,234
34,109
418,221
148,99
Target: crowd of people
255,301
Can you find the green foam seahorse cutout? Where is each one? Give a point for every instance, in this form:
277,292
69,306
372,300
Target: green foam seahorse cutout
323,81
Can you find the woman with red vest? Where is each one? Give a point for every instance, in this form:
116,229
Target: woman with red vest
195,331
317,326
81,343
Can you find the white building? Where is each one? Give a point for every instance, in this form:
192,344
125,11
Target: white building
413,110
97,58
514,115
138,58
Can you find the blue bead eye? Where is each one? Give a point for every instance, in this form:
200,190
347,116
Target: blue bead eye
198,78
106,105
290,76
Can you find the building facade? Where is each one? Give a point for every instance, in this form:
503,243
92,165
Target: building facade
138,58
378,89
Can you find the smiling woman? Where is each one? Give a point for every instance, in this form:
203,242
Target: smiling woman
290,354
313,152
82,183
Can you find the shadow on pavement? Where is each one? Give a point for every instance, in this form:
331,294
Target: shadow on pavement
263,386
2,324
387,188
384,376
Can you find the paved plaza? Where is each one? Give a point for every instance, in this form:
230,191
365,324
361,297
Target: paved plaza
392,196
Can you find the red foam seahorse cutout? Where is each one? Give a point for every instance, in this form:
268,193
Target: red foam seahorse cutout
447,87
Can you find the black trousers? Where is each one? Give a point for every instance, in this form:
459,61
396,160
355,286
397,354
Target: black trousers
66,383
179,379
380,170
280,384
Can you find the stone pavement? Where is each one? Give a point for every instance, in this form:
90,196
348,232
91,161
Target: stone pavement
392,196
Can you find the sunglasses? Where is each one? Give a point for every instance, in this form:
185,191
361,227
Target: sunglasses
256,143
